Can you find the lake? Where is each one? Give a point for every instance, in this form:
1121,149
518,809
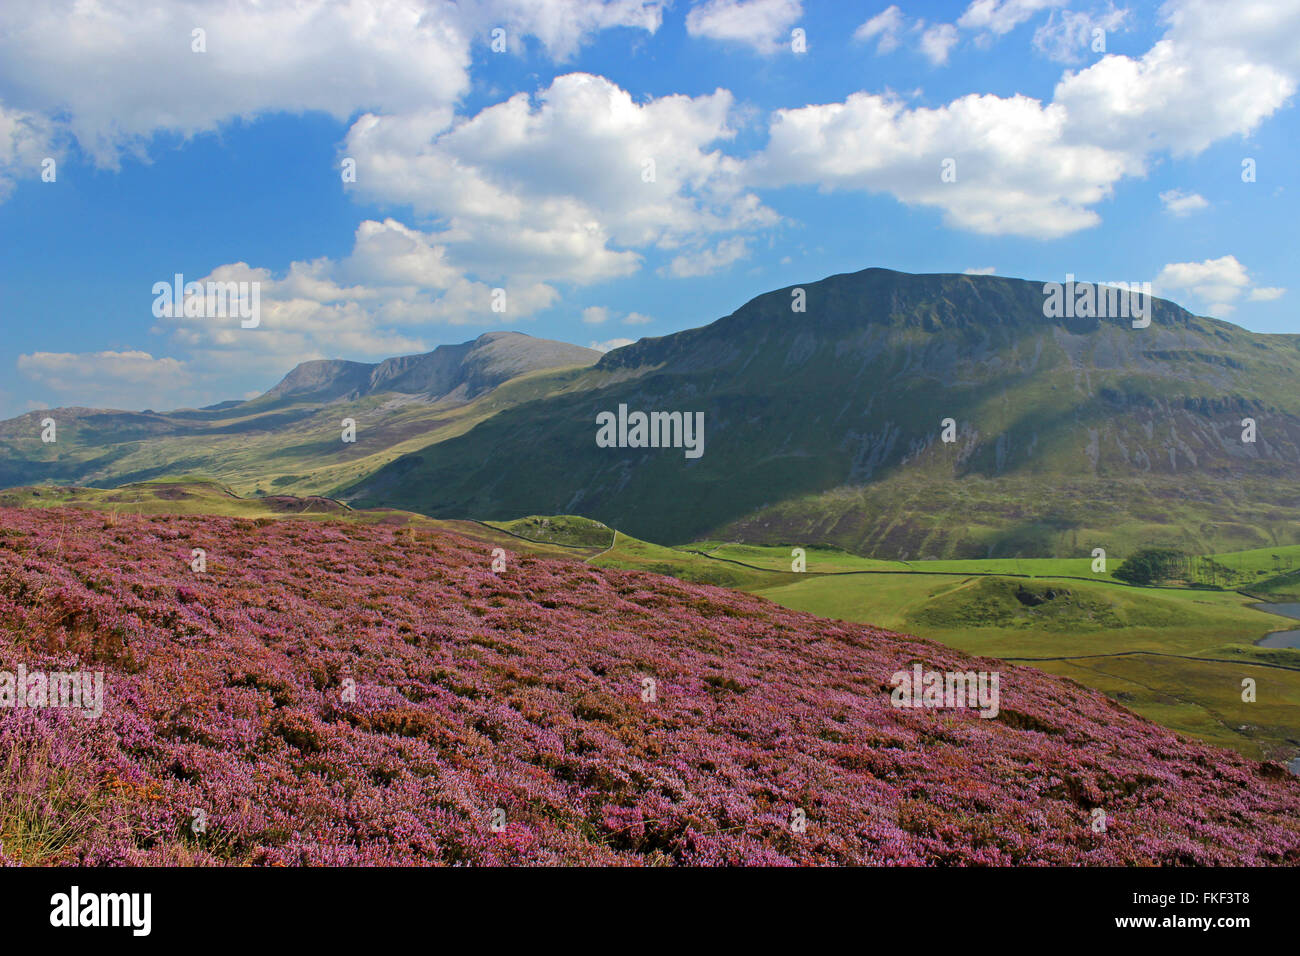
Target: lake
1280,638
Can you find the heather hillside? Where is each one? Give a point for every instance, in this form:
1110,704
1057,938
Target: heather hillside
498,717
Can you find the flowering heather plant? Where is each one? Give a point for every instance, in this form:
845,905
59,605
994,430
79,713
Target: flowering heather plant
500,718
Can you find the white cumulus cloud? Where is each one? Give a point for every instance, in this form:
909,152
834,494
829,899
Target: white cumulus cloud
1180,203
1217,283
887,25
609,345
96,66
564,186
937,41
1038,169
1068,33
125,379
370,304
763,25
1000,17
1015,171
26,140
703,262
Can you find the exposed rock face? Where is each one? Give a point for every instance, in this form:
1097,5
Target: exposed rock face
463,370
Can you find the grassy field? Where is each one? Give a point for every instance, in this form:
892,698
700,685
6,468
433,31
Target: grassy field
632,554
1272,573
1282,589
835,561
1247,569
991,614
1201,699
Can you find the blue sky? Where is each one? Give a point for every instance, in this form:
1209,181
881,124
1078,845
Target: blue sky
526,169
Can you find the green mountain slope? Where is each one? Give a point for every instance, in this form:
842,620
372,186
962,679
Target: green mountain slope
824,427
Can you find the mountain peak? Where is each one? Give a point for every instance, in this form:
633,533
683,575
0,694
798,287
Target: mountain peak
463,370
956,307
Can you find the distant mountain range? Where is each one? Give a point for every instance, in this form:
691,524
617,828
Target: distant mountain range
290,439
825,426
821,426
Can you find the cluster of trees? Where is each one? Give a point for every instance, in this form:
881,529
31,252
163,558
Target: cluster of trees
1154,564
